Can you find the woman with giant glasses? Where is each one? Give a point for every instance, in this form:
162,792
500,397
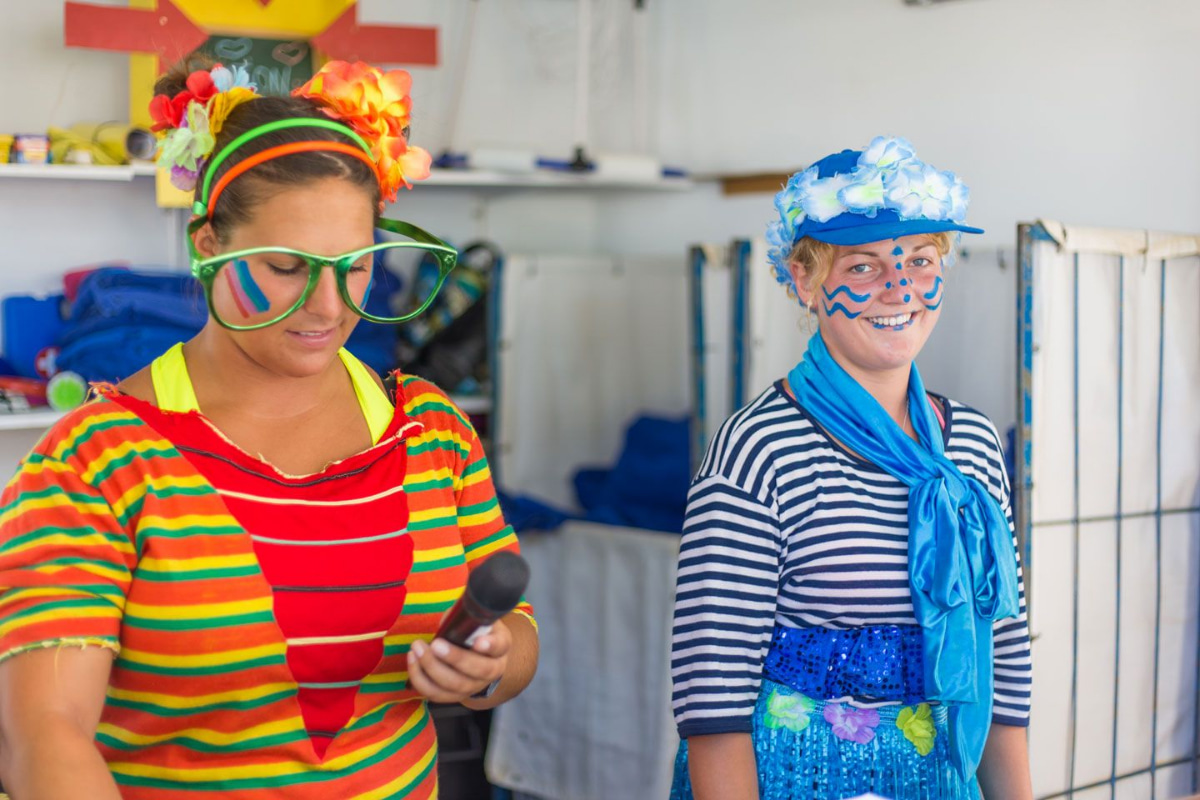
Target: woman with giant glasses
223,577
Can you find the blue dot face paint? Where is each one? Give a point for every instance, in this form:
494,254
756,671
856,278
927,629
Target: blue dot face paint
887,285
898,251
904,282
907,298
899,265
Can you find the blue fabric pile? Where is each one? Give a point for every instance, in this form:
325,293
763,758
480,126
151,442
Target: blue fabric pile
647,488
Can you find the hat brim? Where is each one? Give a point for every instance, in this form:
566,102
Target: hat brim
863,234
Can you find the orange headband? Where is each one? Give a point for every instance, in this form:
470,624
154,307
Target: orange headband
284,150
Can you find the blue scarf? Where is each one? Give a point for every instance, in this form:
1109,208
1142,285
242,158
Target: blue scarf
961,564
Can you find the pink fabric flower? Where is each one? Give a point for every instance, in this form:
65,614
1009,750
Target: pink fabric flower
852,724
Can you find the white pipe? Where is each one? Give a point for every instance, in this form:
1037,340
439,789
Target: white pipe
460,78
641,81
583,73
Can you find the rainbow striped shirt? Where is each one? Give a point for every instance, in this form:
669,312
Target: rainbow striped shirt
110,535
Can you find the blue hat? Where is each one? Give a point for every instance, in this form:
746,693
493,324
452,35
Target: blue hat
860,196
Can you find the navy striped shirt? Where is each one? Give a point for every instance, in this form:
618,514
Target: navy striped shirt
785,526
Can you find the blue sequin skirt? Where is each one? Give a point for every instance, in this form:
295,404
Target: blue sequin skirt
809,749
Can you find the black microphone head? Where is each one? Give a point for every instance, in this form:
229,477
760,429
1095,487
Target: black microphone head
498,583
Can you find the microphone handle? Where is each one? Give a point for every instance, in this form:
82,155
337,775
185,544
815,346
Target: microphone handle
466,621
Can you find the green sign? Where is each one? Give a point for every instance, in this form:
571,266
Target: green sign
277,66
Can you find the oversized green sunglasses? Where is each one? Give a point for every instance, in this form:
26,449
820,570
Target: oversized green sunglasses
251,289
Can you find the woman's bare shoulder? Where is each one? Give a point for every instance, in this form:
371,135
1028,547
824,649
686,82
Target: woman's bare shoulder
139,385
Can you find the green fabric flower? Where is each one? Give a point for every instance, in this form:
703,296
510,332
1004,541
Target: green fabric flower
789,711
917,726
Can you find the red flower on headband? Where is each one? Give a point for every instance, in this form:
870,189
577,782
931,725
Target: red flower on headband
377,106
168,113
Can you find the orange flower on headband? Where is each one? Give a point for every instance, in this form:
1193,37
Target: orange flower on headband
377,106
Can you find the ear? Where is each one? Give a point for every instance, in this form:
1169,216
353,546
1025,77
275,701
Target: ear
382,207
804,293
205,239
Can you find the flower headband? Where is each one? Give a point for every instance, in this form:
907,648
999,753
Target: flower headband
370,107
852,197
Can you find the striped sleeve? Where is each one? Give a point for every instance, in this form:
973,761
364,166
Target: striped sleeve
726,589
65,561
1013,654
480,521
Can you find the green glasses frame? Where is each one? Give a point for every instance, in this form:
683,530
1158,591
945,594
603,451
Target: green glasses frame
205,270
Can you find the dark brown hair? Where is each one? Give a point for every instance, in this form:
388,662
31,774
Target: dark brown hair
236,204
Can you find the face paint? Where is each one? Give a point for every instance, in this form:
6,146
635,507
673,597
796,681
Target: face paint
907,298
247,295
898,251
887,285
853,298
934,292
904,282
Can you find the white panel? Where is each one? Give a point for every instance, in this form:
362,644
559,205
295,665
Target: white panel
1097,651
1177,644
1137,645
1135,788
1053,380
1142,311
716,312
1049,731
972,354
597,721
1099,317
586,345
1181,386
1174,783
779,327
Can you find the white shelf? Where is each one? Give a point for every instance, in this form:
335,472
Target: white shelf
30,420
448,178
546,179
472,404
75,172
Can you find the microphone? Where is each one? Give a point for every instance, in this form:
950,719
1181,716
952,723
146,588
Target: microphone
493,589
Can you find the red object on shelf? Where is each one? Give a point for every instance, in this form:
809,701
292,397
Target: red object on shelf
165,30
346,40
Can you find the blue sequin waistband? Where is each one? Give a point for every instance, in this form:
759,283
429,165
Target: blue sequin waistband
882,662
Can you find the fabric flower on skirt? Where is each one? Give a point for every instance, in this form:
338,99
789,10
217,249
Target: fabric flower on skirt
917,726
791,711
852,724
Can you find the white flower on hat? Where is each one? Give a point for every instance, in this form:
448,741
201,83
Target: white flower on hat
919,191
823,201
886,154
866,194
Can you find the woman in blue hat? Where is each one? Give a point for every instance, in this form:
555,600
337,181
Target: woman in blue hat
850,615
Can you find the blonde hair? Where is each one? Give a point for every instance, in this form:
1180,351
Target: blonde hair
816,259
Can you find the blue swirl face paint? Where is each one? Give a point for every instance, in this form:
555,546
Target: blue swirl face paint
858,298
934,292
831,297
829,312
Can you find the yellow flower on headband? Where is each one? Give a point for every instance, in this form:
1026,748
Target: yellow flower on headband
224,102
377,106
